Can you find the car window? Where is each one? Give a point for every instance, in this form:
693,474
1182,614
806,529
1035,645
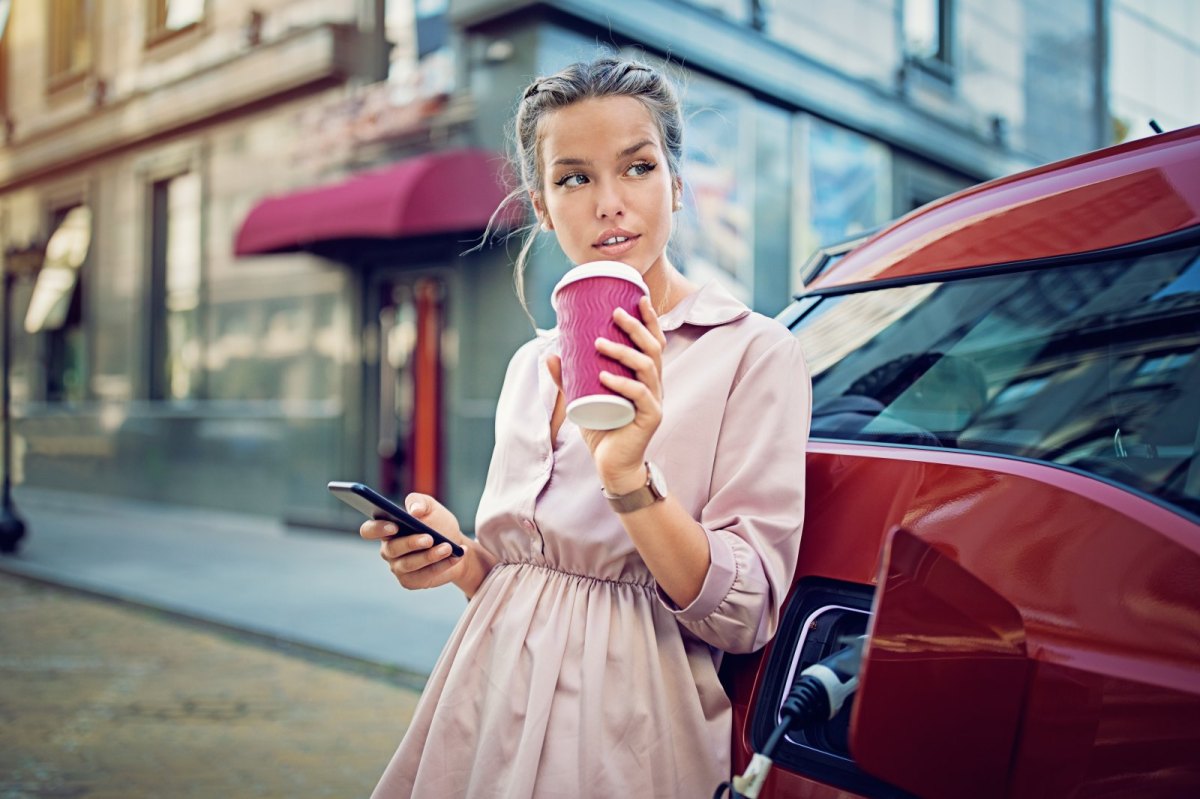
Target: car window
1093,366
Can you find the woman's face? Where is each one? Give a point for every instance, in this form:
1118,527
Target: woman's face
606,189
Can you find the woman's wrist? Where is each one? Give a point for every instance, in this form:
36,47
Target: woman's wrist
478,563
625,482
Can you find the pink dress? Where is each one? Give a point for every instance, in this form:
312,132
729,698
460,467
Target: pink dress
570,674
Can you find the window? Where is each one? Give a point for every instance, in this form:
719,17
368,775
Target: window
56,305
927,31
70,50
1094,367
714,237
5,9
165,17
843,187
175,283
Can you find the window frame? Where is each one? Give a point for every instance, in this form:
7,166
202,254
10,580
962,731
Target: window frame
158,374
940,63
153,169
156,31
56,26
1176,240
55,207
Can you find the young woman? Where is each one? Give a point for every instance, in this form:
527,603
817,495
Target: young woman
611,569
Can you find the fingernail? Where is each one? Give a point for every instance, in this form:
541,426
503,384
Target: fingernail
443,549
425,541
416,507
601,340
391,529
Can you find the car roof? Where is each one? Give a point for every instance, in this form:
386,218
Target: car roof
1119,195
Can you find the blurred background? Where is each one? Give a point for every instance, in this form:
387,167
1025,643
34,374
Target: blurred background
237,234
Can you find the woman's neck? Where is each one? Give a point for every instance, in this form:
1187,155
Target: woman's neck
667,286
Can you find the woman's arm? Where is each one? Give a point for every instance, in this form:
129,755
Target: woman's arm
673,545
725,573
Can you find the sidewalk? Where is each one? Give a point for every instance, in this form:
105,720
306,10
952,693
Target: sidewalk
319,589
109,700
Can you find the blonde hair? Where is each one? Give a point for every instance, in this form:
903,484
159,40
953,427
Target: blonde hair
607,76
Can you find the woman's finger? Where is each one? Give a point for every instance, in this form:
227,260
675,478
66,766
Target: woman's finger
402,545
375,529
639,333
415,560
642,364
637,392
428,576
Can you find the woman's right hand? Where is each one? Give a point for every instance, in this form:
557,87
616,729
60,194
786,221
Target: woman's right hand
414,560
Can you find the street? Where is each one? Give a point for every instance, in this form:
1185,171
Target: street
108,700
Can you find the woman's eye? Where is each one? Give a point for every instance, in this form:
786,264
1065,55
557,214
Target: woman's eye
572,180
641,168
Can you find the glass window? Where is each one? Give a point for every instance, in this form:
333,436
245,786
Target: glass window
5,8
1095,366
56,305
737,10
175,286
70,51
714,236
927,29
164,17
844,186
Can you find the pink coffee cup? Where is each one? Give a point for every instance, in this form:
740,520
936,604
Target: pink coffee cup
584,300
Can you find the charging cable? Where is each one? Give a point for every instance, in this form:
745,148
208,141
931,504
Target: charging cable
816,696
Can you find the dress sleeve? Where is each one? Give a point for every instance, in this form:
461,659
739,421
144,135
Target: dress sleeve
755,510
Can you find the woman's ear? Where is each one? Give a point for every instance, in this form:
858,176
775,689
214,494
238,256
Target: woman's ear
540,211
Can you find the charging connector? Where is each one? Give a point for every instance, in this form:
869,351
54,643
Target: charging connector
816,696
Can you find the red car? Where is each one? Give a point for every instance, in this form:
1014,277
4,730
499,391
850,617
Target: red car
1004,494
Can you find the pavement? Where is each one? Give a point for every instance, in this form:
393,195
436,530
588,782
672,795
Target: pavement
102,699
150,650
324,590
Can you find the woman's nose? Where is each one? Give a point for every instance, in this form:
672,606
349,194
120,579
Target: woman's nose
609,202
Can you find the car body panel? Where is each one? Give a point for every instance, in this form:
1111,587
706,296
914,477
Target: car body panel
1104,584
1098,201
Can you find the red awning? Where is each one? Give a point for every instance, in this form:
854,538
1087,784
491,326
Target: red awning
444,192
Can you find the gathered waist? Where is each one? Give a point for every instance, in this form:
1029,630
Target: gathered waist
645,585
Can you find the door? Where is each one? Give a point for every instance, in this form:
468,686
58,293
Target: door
405,382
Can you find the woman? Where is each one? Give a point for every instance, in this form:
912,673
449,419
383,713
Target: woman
586,661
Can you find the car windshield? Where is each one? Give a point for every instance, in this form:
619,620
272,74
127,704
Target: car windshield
1092,366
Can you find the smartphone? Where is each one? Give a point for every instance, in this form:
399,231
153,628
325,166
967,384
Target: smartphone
374,505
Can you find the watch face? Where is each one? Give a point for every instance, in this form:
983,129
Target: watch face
658,483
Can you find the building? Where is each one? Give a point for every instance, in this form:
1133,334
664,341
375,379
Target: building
279,202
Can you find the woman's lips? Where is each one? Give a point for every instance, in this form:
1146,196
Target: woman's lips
618,248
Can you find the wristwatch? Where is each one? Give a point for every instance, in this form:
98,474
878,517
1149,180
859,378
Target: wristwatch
655,490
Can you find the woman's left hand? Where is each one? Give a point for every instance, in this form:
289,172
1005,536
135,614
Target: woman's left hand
620,454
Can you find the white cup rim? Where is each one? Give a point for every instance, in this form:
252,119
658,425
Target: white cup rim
598,269
600,412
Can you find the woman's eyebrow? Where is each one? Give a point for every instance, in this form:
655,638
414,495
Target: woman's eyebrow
585,162
634,148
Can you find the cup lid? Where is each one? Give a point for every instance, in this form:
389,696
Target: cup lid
598,269
600,412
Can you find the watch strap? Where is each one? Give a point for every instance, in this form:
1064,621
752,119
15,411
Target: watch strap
641,497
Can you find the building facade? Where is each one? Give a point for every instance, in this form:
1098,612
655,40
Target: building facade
279,283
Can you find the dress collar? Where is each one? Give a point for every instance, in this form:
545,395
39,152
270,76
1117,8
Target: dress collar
709,306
